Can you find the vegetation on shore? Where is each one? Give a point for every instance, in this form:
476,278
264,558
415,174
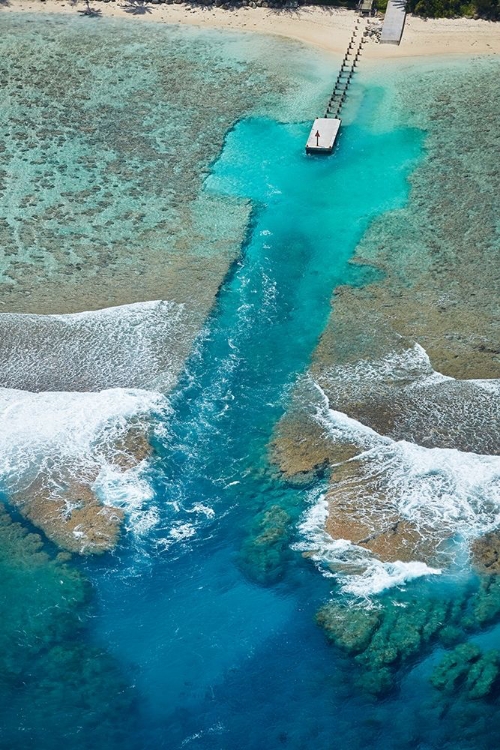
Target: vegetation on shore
487,9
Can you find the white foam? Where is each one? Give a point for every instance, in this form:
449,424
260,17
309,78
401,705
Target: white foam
397,365
441,487
36,425
339,426
133,312
379,577
204,510
491,386
131,491
178,533
454,493
140,345
359,573
50,433
182,531
445,487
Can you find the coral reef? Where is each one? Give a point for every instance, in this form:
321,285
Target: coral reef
365,513
302,448
70,514
382,640
45,660
400,626
485,553
400,395
100,185
467,668
61,501
264,552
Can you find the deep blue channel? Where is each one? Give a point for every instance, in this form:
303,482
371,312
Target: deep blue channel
220,642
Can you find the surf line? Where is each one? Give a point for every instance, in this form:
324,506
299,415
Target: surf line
325,129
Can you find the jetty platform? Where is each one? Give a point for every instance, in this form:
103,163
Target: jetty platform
394,21
323,135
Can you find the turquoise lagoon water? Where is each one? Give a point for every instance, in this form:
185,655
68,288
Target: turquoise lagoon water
213,620
202,630
218,631
214,653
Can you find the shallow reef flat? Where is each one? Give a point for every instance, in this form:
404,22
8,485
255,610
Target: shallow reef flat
438,253
142,345
112,251
102,168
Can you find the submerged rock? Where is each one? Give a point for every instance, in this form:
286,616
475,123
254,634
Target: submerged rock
485,604
265,551
468,669
485,553
384,639
388,635
350,628
46,661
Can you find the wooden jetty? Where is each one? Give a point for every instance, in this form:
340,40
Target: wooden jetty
394,21
323,135
325,129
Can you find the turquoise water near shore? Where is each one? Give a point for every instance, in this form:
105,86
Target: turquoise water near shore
200,631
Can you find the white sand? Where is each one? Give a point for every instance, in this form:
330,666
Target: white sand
327,28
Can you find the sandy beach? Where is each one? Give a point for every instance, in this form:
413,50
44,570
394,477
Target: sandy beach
326,28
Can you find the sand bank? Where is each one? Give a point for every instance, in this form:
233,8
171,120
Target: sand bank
325,28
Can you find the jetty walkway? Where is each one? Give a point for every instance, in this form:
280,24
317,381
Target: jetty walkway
394,22
325,129
347,70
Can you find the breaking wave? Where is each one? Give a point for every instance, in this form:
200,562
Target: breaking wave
95,439
358,572
140,345
442,497
402,396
